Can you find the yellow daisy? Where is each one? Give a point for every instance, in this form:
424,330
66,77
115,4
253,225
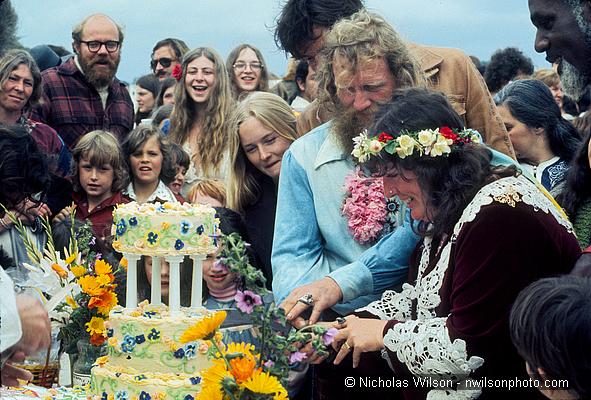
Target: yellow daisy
243,348
78,271
210,393
89,285
96,326
263,383
213,376
72,257
203,329
124,263
71,302
102,268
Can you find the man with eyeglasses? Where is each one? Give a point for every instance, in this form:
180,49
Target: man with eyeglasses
165,55
83,94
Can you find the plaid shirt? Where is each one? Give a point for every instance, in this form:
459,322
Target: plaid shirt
73,107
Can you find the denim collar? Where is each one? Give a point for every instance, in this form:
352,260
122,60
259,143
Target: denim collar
329,151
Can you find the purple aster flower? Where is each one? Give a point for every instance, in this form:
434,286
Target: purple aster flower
268,364
297,356
329,335
247,300
92,241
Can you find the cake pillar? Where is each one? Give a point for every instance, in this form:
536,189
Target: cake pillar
174,288
197,282
131,289
156,292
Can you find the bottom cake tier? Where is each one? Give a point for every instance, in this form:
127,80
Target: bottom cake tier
118,383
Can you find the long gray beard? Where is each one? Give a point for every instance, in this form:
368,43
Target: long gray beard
574,82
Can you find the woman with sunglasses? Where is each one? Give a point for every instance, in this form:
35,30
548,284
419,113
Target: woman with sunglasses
203,102
246,68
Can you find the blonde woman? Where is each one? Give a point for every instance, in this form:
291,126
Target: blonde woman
263,127
203,102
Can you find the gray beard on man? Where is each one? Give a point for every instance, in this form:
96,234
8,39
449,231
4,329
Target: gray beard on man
348,124
574,82
95,78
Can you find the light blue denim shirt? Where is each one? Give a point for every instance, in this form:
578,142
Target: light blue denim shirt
311,238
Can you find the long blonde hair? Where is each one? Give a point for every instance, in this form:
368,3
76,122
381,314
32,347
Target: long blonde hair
274,113
211,143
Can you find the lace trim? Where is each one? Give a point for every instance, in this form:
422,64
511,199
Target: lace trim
423,345
427,350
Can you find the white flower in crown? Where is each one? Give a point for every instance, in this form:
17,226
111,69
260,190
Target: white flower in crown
361,149
441,146
375,146
406,146
427,137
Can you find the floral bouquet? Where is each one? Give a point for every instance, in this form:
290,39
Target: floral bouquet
80,287
240,370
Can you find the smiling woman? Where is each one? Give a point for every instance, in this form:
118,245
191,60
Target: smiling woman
247,69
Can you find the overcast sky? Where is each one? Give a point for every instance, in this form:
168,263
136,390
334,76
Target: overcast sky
479,27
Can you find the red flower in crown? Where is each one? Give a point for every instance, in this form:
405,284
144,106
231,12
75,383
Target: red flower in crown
177,72
448,133
384,137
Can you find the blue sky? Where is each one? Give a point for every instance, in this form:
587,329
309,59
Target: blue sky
478,27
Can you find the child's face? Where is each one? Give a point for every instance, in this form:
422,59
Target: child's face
216,276
164,268
146,162
201,198
179,180
96,180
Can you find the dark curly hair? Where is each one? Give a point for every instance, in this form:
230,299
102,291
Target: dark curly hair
504,66
578,181
550,325
23,168
449,182
298,18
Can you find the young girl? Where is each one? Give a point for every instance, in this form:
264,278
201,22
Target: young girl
203,103
181,162
208,191
99,179
147,153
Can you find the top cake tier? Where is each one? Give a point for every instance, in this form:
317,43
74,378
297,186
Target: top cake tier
166,229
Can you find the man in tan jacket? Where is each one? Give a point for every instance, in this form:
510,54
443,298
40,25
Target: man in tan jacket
447,70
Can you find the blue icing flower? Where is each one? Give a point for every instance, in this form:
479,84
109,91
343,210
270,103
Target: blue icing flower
145,396
178,244
121,395
180,353
195,380
140,377
153,335
104,396
185,227
121,227
149,314
117,374
190,350
132,221
128,344
152,237
160,208
140,339
109,332
189,397
200,230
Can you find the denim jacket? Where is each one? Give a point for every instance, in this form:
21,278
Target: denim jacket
312,240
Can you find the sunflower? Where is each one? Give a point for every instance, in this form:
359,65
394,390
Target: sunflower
96,326
102,268
242,348
78,271
204,329
213,376
263,383
90,286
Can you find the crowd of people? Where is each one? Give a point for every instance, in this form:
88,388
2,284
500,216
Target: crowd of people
434,209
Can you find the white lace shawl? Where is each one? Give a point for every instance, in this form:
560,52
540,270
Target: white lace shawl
423,344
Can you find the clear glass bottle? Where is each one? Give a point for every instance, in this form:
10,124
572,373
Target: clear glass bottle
87,355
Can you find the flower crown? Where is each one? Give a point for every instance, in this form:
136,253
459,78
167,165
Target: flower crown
429,142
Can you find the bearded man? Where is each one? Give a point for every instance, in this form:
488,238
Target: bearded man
83,94
316,261
564,34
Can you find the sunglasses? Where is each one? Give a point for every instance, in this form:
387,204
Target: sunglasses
164,61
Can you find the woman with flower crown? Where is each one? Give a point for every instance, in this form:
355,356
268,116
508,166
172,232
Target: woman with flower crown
487,233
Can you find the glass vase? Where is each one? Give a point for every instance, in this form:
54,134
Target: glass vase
87,355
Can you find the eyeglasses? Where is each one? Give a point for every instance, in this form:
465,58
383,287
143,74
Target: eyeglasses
94,45
164,61
254,66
